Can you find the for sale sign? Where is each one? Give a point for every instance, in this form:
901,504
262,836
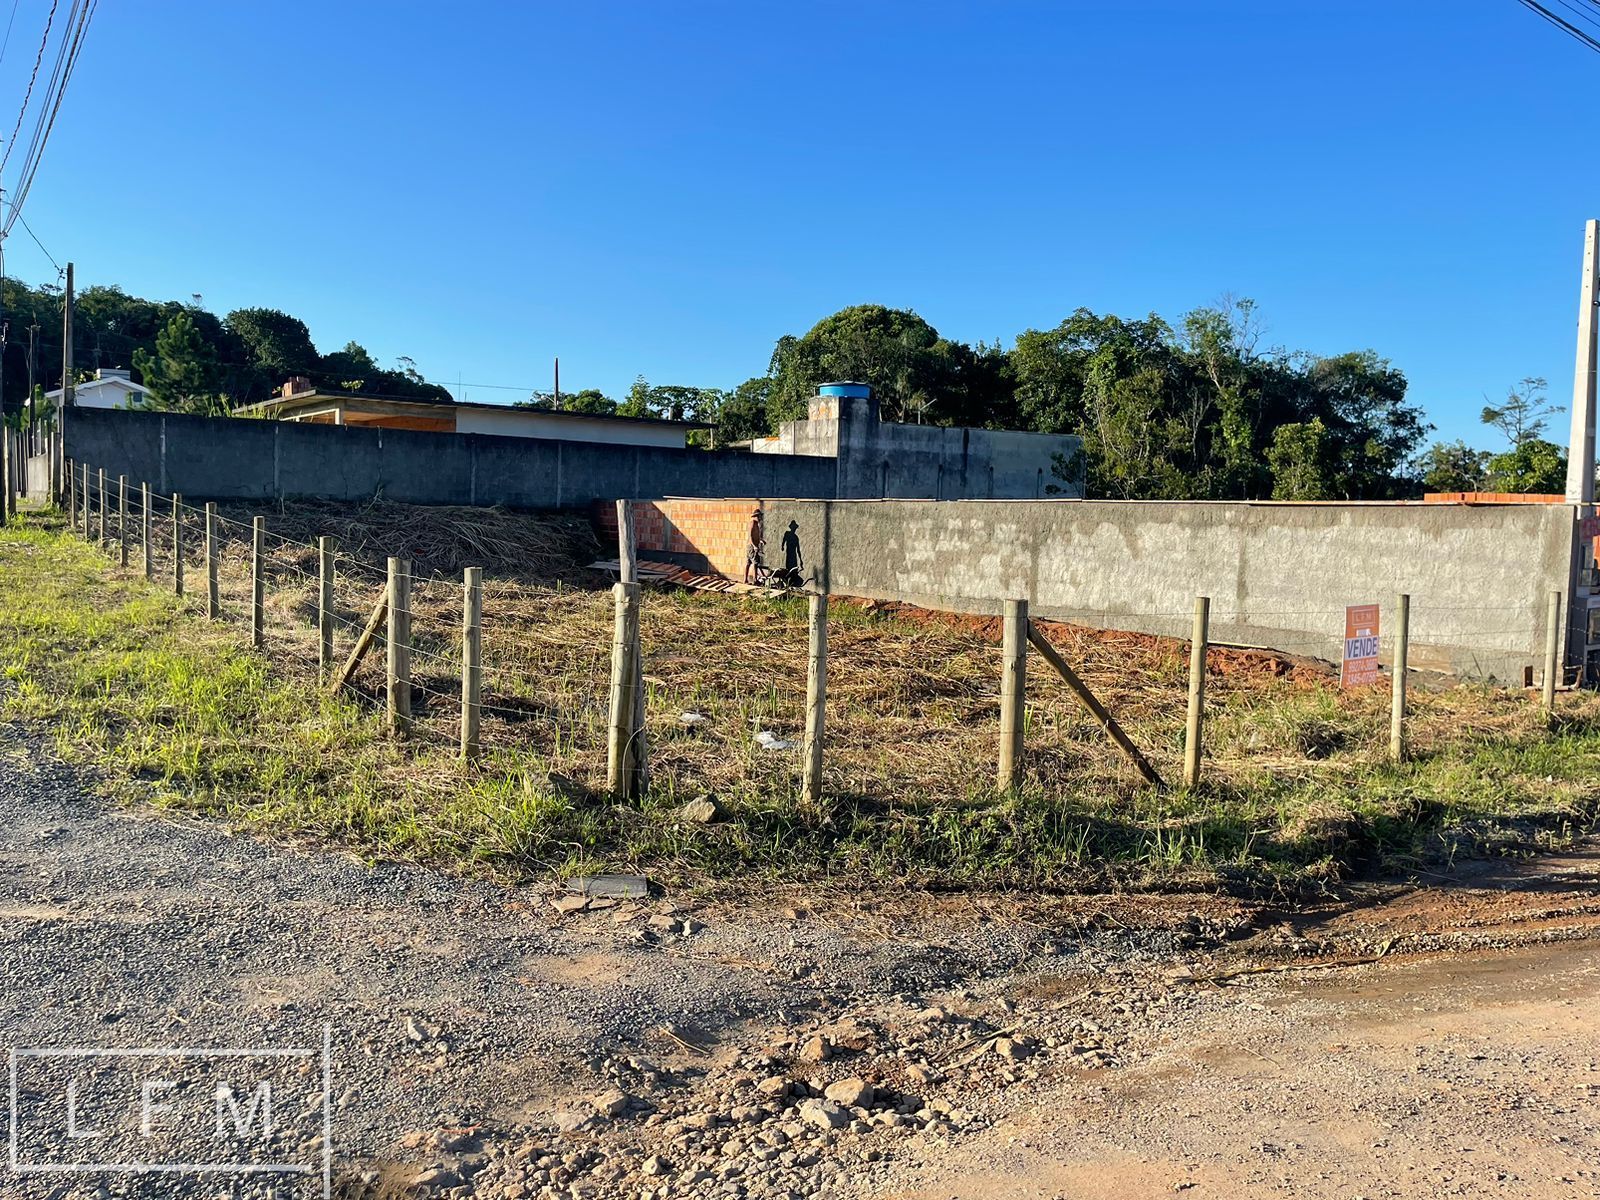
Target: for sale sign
1360,666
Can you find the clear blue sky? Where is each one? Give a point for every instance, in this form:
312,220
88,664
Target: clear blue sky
665,188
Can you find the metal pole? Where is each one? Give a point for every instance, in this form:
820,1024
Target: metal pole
1580,443
1013,688
1197,690
1397,697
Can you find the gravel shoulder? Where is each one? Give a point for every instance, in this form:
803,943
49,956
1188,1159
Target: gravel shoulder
484,1043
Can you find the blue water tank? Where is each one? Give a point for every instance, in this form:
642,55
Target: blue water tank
855,391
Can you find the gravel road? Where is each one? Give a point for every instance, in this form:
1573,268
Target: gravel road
477,1041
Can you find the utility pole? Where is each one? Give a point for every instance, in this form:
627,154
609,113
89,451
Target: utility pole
1580,446
556,403
35,443
67,398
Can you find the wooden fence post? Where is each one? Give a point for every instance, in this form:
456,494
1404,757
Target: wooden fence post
325,604
1397,694
213,593
122,520
620,775
399,647
816,697
628,572
1080,690
81,485
258,581
72,497
100,527
1013,689
1197,689
8,468
1552,648
144,530
177,544
471,659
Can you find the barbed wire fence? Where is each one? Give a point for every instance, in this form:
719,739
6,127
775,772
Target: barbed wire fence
852,708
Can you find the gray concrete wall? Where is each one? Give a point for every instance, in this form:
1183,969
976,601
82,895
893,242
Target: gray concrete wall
885,458
221,458
1278,575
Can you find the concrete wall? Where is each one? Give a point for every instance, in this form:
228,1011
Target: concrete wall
566,427
222,458
1278,575
885,458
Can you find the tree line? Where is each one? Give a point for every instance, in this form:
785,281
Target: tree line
1199,409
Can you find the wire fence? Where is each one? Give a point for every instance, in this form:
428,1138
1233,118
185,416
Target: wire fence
913,700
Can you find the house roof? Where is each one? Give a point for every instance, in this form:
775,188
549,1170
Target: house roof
278,404
94,385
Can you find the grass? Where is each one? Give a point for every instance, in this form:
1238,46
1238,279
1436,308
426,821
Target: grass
176,710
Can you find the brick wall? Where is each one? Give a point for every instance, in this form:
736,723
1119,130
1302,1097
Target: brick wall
716,532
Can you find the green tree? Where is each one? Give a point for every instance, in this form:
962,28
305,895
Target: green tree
1454,467
1526,413
1534,466
182,374
590,400
1302,461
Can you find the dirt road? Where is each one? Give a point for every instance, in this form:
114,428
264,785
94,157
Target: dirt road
484,1043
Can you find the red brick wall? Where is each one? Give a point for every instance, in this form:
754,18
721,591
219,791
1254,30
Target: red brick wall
716,530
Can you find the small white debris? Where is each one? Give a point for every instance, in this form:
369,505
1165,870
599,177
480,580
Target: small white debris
768,740
692,718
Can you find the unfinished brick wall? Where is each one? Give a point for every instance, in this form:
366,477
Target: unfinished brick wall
716,532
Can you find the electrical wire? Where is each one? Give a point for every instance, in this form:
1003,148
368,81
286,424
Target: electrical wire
1565,26
44,44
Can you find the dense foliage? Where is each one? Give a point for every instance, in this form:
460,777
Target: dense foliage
1199,409
194,360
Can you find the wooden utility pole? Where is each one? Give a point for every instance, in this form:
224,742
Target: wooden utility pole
177,544
1013,689
1397,694
621,778
399,647
325,605
1198,638
144,531
122,520
258,581
471,659
1552,647
213,592
816,697
68,392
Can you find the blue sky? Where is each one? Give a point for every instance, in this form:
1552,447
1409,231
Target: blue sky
665,188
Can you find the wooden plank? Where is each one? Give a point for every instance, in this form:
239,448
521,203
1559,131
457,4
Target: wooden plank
369,633
1088,699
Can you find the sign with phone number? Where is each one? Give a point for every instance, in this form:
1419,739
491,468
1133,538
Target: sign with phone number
1360,666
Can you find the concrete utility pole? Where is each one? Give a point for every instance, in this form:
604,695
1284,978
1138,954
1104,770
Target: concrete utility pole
67,398
1580,446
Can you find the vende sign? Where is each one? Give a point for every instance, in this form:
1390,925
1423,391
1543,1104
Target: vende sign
1360,666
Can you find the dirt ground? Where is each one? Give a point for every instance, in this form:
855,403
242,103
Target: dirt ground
1411,1038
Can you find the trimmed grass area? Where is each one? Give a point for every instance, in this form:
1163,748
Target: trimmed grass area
177,710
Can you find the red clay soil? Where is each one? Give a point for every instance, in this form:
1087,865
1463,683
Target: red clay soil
1228,661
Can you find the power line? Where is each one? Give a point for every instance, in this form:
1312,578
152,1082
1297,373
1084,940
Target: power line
66,60
44,44
6,44
40,244
1565,26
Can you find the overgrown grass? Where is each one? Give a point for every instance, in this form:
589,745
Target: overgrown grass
177,710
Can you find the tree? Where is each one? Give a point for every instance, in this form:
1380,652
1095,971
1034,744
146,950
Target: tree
1525,414
1534,466
182,374
1301,459
591,401
1454,467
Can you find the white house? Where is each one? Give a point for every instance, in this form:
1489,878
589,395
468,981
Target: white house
111,387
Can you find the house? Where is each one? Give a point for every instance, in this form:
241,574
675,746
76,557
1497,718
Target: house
301,401
884,459
111,387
